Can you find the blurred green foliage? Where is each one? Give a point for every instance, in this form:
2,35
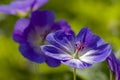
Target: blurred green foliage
102,16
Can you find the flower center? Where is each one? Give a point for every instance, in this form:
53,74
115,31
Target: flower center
79,48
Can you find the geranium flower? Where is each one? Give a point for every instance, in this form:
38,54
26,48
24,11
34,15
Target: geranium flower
22,7
80,51
31,34
114,65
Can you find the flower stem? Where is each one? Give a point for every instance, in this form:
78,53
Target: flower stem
74,74
111,75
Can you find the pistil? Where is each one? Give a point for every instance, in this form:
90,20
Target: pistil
79,48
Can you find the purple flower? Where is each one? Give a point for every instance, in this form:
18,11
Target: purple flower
31,34
22,7
80,51
114,65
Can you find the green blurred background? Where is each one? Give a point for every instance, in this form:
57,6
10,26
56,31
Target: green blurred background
102,16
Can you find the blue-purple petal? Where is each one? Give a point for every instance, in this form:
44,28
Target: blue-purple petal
33,36
43,18
55,52
62,40
38,3
76,63
52,62
22,6
86,37
19,29
7,9
62,24
98,55
32,55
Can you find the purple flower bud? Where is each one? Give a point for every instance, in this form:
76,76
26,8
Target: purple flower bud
114,65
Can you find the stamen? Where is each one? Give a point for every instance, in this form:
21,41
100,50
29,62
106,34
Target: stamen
79,47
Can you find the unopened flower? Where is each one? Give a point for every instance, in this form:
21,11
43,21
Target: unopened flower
114,65
80,51
22,7
31,34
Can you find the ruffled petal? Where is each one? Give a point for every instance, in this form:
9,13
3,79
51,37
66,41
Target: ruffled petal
86,37
55,52
52,62
62,40
19,29
43,18
31,54
98,55
76,63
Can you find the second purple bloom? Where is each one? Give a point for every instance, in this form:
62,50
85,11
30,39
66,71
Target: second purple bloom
31,34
